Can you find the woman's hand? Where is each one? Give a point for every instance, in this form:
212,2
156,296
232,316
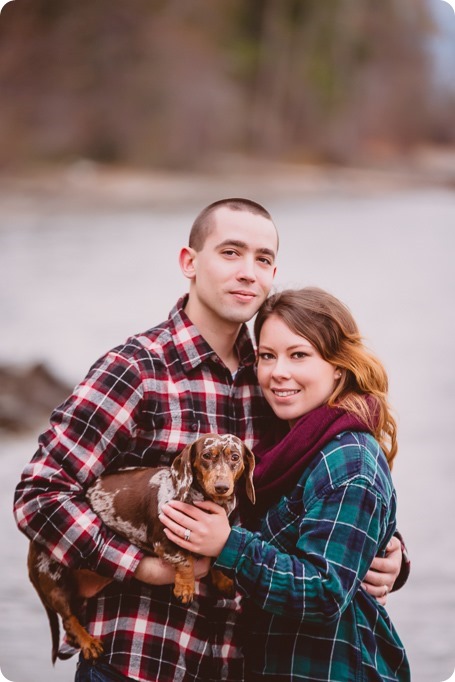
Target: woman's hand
381,577
204,524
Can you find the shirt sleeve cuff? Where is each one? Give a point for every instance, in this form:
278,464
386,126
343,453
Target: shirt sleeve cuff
233,549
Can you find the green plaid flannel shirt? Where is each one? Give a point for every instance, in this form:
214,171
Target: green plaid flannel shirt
307,617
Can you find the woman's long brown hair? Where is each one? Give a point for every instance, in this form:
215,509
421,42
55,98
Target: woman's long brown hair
330,327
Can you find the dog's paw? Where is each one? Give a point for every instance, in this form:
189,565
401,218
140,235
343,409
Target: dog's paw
91,648
184,593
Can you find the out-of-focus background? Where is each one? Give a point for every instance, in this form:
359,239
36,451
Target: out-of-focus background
120,121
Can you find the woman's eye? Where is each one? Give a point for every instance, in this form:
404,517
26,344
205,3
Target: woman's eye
265,356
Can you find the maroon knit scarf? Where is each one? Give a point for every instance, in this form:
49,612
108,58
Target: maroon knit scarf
279,468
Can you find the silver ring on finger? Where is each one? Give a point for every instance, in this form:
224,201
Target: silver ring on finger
187,534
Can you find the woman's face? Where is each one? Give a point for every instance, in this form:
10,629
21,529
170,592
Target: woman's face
292,374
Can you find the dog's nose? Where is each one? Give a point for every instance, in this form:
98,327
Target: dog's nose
221,488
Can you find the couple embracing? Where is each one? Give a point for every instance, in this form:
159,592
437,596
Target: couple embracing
314,559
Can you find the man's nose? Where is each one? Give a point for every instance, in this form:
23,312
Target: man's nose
247,270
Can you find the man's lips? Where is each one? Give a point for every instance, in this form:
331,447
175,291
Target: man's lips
243,294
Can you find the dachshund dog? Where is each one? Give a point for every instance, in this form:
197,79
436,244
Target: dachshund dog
129,502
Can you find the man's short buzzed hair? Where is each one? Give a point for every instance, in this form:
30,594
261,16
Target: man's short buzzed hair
203,224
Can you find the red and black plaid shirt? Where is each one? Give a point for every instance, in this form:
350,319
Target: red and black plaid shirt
140,405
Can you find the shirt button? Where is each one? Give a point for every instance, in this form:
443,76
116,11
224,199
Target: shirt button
194,427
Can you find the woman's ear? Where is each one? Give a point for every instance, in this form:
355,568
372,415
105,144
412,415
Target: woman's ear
186,261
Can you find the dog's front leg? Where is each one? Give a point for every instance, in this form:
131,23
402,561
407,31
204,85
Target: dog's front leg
184,580
224,584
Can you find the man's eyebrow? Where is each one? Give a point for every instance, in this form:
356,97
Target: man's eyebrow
232,242
243,245
267,252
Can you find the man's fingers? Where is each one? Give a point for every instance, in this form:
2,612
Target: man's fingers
375,584
394,545
381,565
375,590
374,578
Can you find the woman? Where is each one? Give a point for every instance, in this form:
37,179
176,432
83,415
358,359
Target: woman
326,499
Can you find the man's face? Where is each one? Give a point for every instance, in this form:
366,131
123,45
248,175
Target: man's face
234,271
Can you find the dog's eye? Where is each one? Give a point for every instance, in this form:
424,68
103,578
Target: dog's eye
206,455
235,457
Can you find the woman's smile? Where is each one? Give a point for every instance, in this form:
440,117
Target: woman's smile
284,393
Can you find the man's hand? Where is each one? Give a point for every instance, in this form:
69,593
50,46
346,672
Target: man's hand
381,577
155,571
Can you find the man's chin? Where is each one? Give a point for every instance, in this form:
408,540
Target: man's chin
242,316
247,310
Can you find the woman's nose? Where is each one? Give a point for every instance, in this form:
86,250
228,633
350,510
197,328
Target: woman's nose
280,369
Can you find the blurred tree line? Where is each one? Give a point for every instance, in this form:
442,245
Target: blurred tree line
176,83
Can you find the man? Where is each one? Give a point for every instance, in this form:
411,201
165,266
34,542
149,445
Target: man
141,404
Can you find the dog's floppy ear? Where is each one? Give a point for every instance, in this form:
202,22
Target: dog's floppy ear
248,473
182,472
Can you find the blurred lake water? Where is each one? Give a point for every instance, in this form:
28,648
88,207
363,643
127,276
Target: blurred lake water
76,281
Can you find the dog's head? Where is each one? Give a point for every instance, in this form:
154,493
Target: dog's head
216,463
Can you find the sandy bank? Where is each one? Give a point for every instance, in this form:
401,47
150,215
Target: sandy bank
87,185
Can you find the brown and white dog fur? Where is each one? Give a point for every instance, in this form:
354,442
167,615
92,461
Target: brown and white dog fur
129,502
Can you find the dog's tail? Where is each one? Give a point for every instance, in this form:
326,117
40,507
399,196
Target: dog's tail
63,652
55,633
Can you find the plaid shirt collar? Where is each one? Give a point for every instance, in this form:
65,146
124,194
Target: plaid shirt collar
194,349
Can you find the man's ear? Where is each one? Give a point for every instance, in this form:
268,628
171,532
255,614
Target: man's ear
187,257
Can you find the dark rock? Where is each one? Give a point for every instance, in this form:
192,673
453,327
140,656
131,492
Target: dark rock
27,397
